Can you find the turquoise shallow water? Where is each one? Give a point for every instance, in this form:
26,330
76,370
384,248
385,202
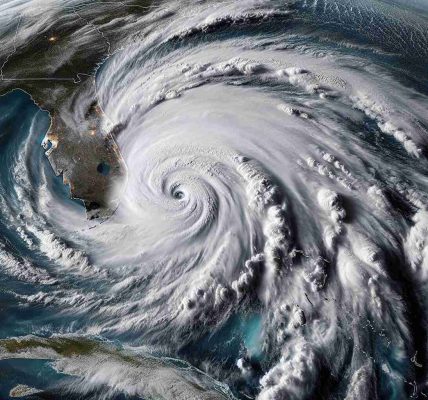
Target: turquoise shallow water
270,242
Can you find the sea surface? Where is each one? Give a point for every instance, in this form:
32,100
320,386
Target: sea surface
271,240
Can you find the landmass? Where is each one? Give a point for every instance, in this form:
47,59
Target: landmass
57,69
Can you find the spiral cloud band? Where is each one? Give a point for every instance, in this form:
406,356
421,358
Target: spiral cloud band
271,229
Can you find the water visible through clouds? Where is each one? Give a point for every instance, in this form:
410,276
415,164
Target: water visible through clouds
271,238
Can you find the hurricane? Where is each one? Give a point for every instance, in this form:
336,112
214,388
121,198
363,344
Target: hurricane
268,233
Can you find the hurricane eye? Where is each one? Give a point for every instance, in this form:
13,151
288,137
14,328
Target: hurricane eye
178,195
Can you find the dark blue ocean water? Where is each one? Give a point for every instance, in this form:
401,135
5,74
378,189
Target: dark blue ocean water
22,123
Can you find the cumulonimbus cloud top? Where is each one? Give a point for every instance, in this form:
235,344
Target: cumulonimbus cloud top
275,192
